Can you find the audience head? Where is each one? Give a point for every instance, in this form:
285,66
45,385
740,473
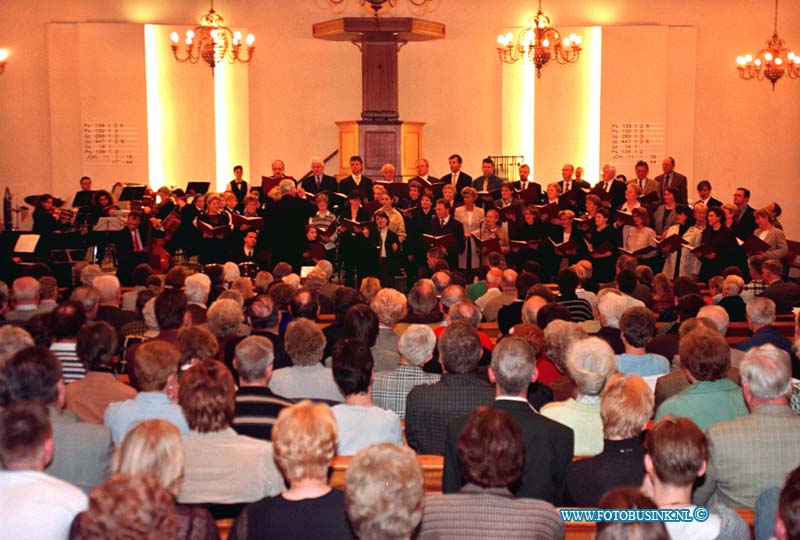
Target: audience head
494,277
304,441
176,276
466,311
262,280
567,282
197,287
732,285
26,436
12,340
304,342
490,449
33,374
705,355
152,447
108,286
626,405
225,317
626,281
629,498
196,344
361,322
760,312
590,362
156,366
513,366
421,297
416,345
552,311
451,295
637,326
688,305
253,359
390,306
559,336
531,307
717,315
262,313
460,348
170,309
677,452
352,366
384,494
304,304
96,346
369,288
787,522
129,508
441,280
48,288
66,320
766,375
533,335
26,290
281,270
343,299
207,396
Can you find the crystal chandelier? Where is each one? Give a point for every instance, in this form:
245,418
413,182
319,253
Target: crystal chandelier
213,42
538,44
771,63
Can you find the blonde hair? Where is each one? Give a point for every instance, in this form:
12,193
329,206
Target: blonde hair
626,405
304,441
153,447
369,288
390,306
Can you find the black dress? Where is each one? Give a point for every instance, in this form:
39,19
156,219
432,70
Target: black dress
215,249
724,245
604,267
307,519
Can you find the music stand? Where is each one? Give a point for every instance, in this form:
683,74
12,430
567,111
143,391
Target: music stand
109,224
132,193
199,188
83,198
26,244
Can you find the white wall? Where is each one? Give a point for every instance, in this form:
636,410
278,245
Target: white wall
743,134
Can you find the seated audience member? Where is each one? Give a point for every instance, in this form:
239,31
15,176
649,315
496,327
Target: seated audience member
491,455
305,304
154,448
128,508
422,304
430,407
225,318
307,377
610,307
629,498
110,300
343,299
263,316
666,343
590,363
316,281
197,288
718,316
384,493
257,407
369,288
360,422
711,397
508,293
494,279
787,519
221,466
552,311
559,337
304,443
731,301
637,326
715,288
157,372
390,388
663,297
140,275
530,308
511,314
66,320
539,394
785,294
760,316
579,309
84,450
682,286
754,452
48,293
677,454
12,340
196,344
547,444
626,405
390,307
33,504
362,323
26,300
90,396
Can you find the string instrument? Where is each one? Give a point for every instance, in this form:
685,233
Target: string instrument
62,215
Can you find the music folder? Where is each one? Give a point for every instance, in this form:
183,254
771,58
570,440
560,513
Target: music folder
199,188
447,241
132,193
83,198
489,245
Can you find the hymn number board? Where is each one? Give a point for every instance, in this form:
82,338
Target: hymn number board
634,141
110,143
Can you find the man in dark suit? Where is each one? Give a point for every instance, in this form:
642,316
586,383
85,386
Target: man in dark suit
760,316
672,179
356,180
249,251
548,444
785,294
285,225
612,186
704,195
488,181
429,408
746,223
457,178
572,190
109,309
131,244
524,182
384,262
318,181
423,172
443,224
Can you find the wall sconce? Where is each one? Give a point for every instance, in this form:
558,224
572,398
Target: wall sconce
3,60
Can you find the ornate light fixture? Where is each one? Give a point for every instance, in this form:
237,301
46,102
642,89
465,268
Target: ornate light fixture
213,42
3,60
538,44
770,63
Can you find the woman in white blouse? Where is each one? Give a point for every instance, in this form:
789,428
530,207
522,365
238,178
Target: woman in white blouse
471,218
683,262
640,235
770,234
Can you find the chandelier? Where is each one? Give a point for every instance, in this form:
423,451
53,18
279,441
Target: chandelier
538,44
213,42
771,63
3,60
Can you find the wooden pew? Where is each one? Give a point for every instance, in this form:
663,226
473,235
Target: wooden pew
432,467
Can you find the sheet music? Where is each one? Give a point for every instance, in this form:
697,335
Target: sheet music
26,243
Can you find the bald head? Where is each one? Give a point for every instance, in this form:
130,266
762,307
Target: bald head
26,290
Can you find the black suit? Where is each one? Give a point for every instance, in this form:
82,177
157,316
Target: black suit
548,451
617,192
128,258
384,267
238,255
240,192
531,184
677,181
575,198
328,183
746,225
464,180
347,185
285,229
456,228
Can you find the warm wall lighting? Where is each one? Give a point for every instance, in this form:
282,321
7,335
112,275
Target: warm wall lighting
213,42
771,63
3,60
538,44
